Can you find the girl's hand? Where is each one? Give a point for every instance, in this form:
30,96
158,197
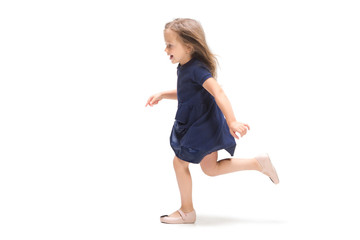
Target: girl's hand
154,99
238,127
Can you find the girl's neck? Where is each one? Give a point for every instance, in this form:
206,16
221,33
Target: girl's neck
185,60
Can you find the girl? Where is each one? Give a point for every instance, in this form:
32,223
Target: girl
204,122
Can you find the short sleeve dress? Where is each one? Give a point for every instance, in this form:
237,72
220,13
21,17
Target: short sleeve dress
200,127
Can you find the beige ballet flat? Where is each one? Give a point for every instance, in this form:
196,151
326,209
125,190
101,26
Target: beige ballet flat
267,167
189,217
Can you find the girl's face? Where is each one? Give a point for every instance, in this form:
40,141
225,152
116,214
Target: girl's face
178,52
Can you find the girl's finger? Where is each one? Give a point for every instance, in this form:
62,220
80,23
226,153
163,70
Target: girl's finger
152,102
245,131
239,131
234,134
242,131
149,101
247,126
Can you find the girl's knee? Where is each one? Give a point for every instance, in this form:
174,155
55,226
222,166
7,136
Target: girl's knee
180,163
209,164
209,170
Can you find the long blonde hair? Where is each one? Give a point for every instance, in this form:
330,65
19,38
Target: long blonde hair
191,33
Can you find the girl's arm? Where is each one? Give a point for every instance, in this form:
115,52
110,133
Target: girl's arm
154,99
171,94
212,86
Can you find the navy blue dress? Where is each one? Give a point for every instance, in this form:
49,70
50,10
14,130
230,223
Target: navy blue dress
200,127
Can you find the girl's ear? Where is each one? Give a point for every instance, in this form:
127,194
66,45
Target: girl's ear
189,48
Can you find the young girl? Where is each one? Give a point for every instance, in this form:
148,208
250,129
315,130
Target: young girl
204,122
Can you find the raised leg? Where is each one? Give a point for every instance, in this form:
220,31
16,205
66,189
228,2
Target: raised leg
212,167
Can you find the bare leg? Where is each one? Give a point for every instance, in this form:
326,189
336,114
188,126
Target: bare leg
185,185
212,167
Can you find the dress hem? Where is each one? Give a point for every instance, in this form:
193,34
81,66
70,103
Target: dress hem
207,153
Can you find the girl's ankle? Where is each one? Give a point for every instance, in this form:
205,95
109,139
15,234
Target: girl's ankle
187,209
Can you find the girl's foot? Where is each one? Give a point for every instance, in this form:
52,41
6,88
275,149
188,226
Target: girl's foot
179,217
267,167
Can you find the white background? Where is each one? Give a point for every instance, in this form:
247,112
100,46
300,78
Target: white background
82,158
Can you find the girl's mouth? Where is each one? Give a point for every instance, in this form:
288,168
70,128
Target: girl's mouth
171,57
